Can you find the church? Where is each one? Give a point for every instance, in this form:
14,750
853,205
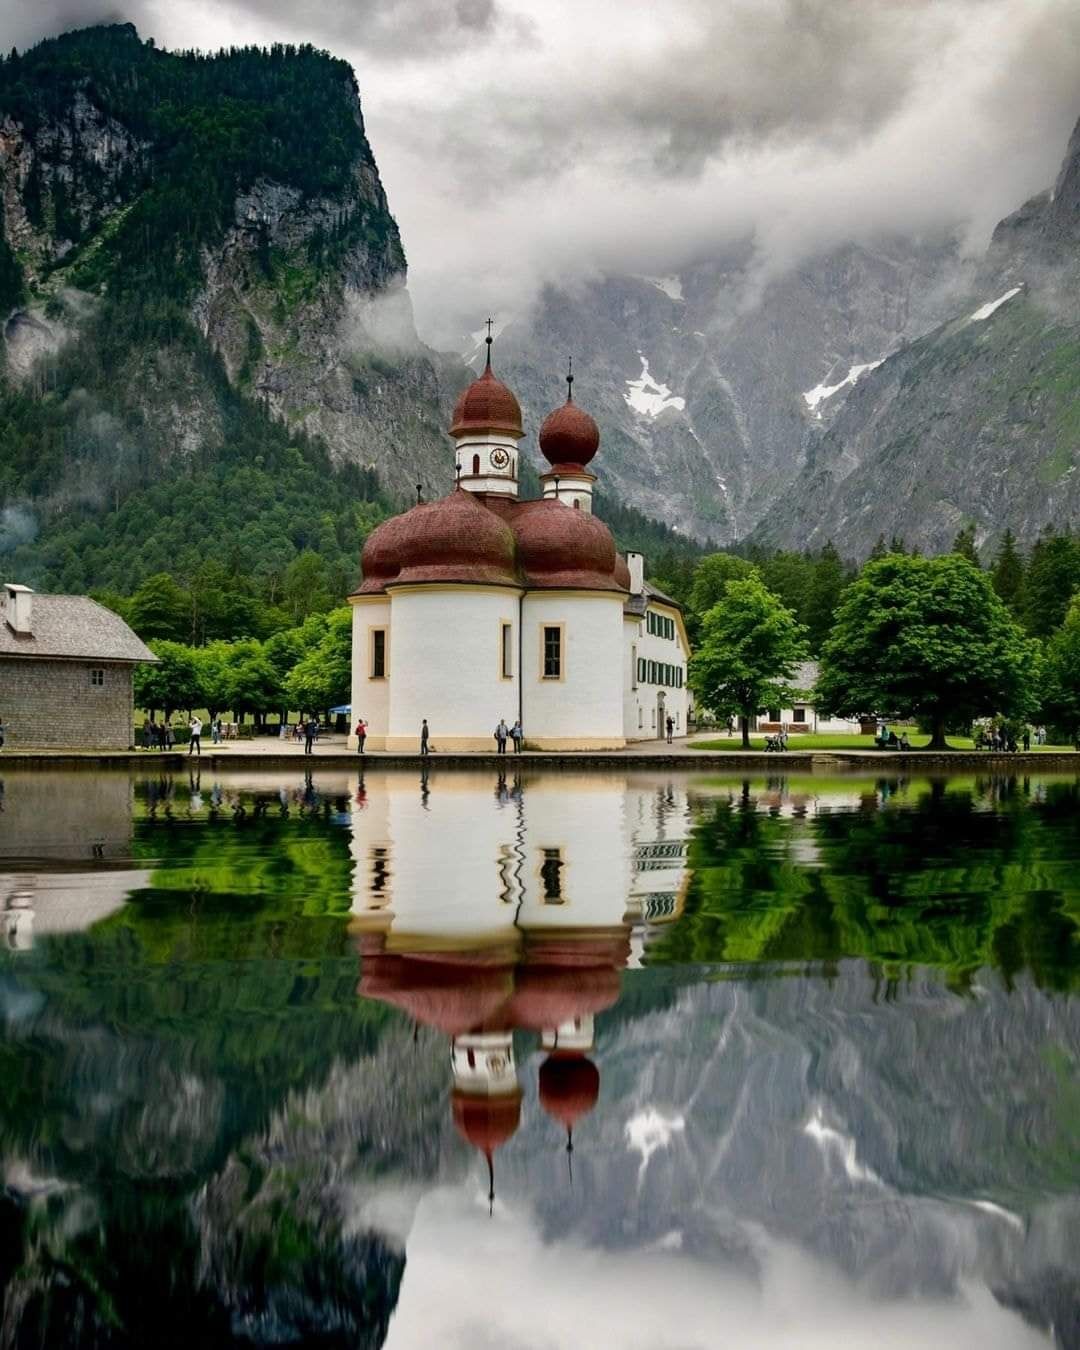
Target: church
482,606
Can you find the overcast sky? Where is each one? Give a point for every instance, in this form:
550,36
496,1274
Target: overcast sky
526,140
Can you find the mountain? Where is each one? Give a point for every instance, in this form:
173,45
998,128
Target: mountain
975,423
710,386
208,347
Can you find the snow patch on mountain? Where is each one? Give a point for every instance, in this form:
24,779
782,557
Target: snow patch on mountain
984,311
648,1131
648,396
821,392
671,286
832,1142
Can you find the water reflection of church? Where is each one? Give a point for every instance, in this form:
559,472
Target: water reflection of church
481,924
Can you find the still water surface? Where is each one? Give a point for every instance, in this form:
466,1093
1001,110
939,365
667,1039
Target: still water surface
640,1060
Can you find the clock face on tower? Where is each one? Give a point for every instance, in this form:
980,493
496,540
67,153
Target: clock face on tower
499,458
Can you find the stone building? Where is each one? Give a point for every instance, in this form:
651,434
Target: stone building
66,667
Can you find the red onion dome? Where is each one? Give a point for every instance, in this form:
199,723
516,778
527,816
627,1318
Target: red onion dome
456,539
486,1122
380,558
453,997
546,999
569,436
487,405
560,546
569,1087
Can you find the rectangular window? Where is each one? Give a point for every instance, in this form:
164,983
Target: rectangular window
652,672
639,716
97,678
552,652
378,653
508,651
798,714
774,714
635,667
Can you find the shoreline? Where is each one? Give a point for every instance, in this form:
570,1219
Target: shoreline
683,759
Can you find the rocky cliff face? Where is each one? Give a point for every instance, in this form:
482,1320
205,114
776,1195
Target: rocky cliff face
300,292
977,422
710,386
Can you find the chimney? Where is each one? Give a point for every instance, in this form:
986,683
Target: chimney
18,602
636,564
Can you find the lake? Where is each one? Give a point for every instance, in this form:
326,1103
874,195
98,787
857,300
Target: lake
653,1060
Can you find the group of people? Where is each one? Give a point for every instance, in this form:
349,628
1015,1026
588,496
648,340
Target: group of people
887,739
503,733
1002,739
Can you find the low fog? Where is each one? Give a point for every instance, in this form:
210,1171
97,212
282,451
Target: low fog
553,140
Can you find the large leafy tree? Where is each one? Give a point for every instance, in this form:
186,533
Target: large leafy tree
711,577
322,677
1062,673
750,645
927,637
172,683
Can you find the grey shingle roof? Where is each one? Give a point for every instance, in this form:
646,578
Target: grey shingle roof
74,626
638,604
805,677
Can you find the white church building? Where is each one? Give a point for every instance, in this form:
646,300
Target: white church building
482,606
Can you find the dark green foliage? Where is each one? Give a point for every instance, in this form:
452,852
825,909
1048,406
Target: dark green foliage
926,637
12,287
212,125
1052,575
1008,573
964,545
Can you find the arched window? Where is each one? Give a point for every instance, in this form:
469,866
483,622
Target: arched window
577,503
476,464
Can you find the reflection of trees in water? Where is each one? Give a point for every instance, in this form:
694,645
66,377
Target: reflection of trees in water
981,875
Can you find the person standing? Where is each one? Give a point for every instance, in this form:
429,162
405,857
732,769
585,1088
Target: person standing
309,735
195,742
150,734
361,735
670,727
424,737
501,733
168,740
517,736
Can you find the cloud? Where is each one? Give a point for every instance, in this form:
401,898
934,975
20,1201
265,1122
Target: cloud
524,141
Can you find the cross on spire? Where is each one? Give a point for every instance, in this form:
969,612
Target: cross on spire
489,340
569,379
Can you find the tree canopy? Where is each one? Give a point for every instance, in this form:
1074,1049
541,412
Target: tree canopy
926,637
750,645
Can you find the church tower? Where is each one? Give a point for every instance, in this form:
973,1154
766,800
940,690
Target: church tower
486,430
568,440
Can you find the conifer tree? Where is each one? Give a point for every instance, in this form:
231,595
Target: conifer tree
1008,573
964,545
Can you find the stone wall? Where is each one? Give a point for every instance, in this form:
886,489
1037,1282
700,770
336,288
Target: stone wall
53,705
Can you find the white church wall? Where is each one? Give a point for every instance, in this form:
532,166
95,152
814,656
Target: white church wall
370,696
446,663
582,709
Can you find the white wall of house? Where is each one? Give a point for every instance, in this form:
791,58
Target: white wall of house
804,717
651,695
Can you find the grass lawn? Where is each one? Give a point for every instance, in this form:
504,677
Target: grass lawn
815,741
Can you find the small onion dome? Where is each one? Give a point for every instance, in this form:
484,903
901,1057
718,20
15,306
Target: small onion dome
559,546
487,405
456,539
569,1087
569,436
486,1122
622,572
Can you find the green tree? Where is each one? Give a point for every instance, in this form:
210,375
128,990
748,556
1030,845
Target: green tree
214,667
255,686
1062,674
1008,573
750,645
926,637
964,545
323,675
1053,574
161,609
306,587
711,577
172,683
828,578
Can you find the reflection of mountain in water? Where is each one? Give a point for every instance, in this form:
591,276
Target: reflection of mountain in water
231,1110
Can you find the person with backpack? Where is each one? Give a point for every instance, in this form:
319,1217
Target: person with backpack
310,728
361,735
670,727
517,736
